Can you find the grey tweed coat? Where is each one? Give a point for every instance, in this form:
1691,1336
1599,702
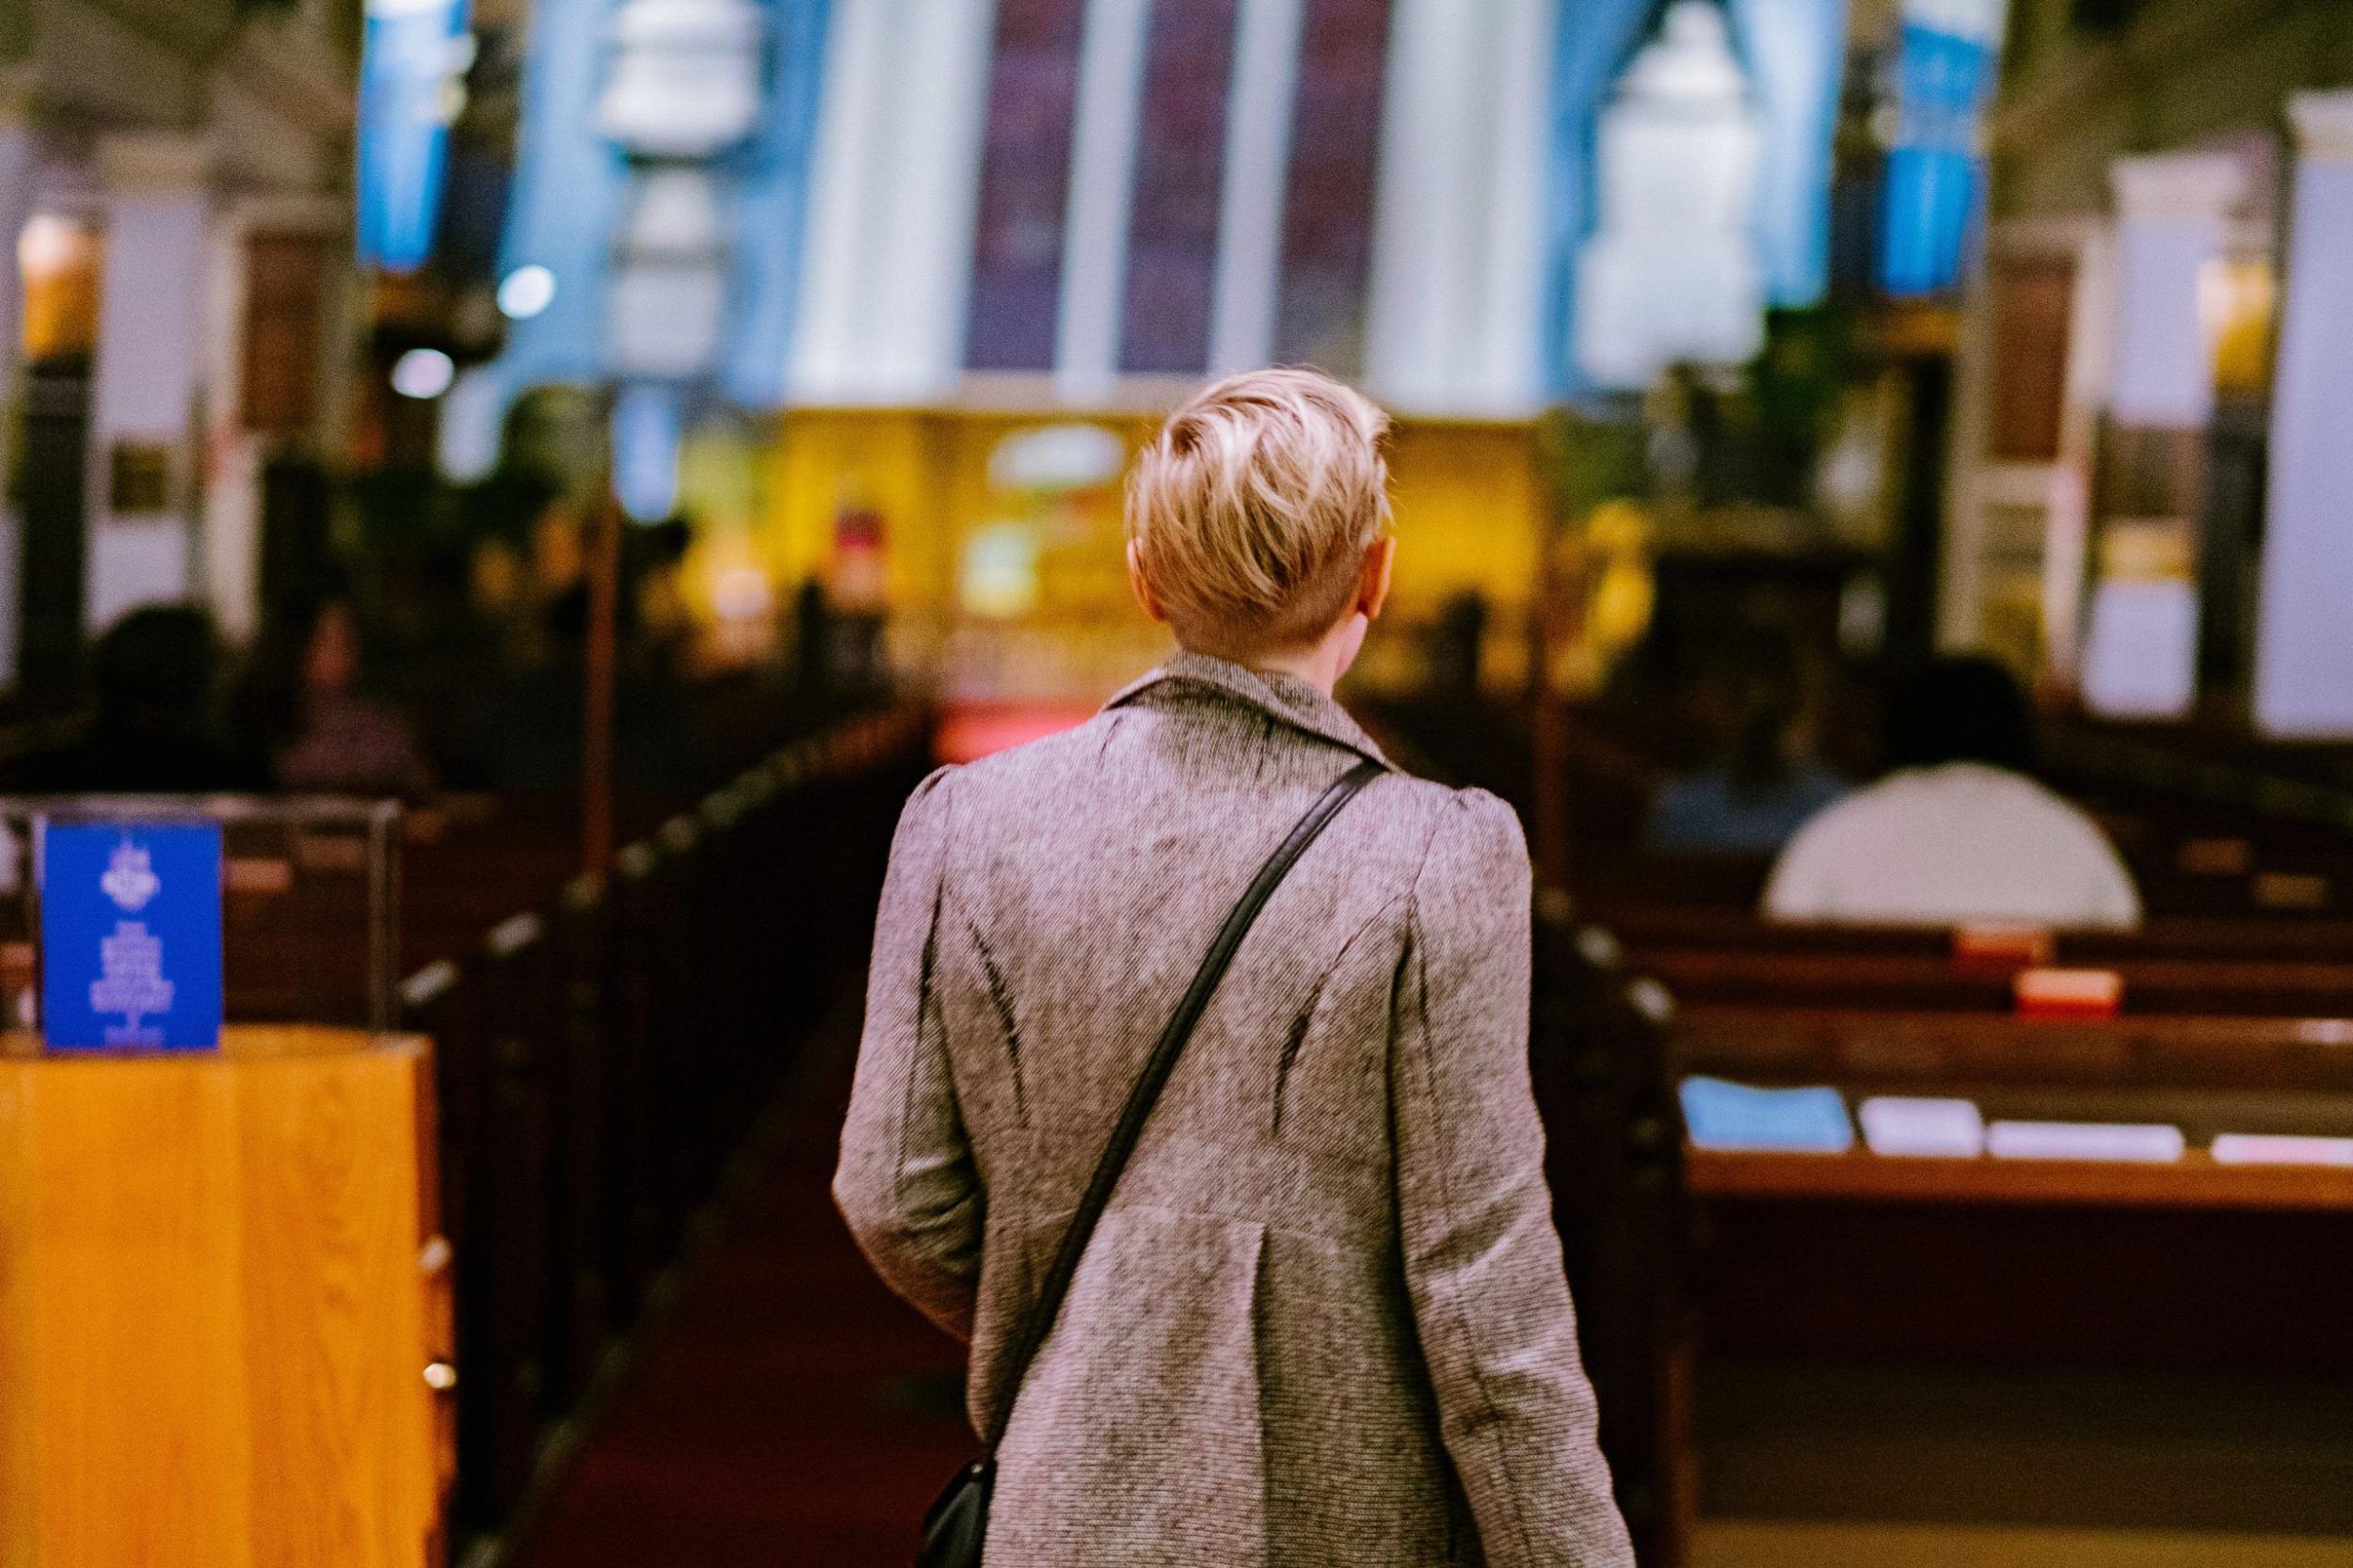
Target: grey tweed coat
1323,1324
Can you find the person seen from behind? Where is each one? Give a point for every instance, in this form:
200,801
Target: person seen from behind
1766,781
306,706
1322,1321
156,724
1959,831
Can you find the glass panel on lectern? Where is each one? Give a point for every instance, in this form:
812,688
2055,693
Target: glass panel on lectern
294,918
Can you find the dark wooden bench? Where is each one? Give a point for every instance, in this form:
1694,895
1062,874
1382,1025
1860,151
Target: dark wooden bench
1841,978
604,1051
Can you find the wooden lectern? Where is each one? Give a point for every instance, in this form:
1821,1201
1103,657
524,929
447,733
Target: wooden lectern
224,1333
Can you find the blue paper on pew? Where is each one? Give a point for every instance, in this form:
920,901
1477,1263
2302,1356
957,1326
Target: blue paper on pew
1724,1116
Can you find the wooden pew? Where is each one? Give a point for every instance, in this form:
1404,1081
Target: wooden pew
604,1052
2194,1266
2188,1264
1783,1044
1643,925
1839,977
1613,1153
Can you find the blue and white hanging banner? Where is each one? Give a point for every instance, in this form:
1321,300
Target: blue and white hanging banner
560,215
1794,54
1592,40
414,54
771,208
1947,62
573,192
130,935
1796,51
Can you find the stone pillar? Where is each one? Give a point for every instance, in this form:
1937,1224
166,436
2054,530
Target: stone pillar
146,383
2173,216
1259,104
894,189
18,165
1102,184
2304,648
2067,524
225,564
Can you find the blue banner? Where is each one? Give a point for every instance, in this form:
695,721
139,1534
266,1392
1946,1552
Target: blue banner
565,199
569,198
1942,81
412,59
1592,41
130,936
772,209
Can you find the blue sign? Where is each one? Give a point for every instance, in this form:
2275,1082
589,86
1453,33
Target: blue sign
1943,80
130,936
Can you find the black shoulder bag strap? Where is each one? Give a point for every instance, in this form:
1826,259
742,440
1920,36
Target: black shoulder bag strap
957,1524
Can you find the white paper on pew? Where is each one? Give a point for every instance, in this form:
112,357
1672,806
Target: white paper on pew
2257,1148
2120,1141
1906,1126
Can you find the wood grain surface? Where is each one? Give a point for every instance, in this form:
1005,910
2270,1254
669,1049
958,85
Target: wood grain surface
2194,1181
212,1320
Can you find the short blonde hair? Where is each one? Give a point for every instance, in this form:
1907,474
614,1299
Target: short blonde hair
1252,509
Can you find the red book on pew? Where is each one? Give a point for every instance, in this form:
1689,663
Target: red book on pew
2045,993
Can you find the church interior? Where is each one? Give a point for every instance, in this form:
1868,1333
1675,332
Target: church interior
510,496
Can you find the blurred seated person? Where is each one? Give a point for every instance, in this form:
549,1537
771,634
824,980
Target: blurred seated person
531,729
1768,783
156,729
1959,832
306,710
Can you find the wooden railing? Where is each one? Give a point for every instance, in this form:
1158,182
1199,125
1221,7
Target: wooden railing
1598,1055
602,1055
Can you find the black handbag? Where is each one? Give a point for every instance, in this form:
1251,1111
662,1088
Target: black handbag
956,1526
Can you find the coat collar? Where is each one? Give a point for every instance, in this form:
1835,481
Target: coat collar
1283,696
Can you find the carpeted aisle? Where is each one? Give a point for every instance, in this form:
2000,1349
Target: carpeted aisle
790,1410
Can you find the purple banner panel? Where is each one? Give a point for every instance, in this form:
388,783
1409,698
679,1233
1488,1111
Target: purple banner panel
1173,220
1327,219
1025,184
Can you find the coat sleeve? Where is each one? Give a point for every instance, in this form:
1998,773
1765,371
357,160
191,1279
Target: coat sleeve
1482,1262
906,1183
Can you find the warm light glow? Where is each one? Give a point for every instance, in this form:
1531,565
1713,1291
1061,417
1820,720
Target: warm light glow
49,246
1001,570
422,373
61,260
741,593
2236,299
526,291
731,593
